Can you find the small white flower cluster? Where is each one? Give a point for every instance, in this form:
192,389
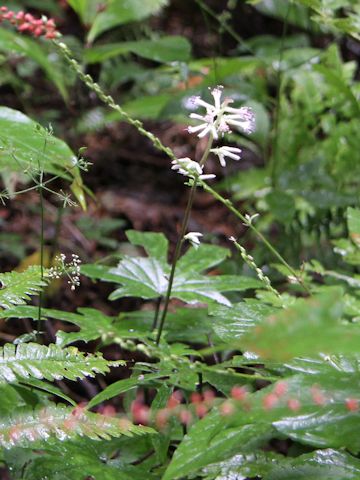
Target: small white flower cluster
193,238
189,168
216,121
220,117
70,269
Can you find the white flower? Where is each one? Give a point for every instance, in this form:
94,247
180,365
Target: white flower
193,238
220,116
70,269
186,166
222,152
189,168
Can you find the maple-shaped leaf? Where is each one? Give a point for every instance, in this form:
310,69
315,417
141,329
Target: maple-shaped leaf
147,277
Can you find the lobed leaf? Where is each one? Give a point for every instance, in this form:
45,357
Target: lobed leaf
147,277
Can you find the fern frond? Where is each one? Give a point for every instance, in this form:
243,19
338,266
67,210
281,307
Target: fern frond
50,362
63,423
16,287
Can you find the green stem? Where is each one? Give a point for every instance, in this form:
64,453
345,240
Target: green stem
157,311
176,258
228,204
181,240
55,241
42,227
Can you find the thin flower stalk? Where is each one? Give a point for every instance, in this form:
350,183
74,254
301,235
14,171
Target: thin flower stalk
249,260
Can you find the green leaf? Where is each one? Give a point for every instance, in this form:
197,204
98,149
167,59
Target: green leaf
86,9
13,42
93,324
120,387
16,287
163,50
63,423
319,465
295,14
51,389
308,327
230,324
147,277
155,244
49,362
321,418
120,12
83,458
209,441
27,146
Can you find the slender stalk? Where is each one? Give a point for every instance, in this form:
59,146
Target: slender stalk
55,241
157,311
42,228
181,240
229,205
176,258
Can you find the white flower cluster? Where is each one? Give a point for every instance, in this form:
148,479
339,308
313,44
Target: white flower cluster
220,117
216,121
189,168
70,269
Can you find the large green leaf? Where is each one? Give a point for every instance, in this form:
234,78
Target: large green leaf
308,327
210,441
147,277
164,49
13,42
25,146
16,287
50,362
119,12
